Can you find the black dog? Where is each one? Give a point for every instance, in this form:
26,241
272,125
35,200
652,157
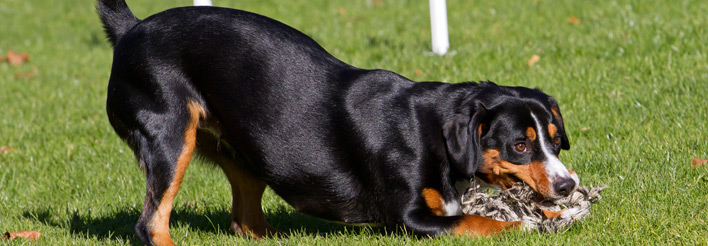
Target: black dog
271,107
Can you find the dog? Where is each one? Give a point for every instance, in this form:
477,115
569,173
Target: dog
271,107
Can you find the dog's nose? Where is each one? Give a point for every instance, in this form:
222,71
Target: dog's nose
564,187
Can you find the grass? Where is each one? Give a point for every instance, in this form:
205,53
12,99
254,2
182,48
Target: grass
631,79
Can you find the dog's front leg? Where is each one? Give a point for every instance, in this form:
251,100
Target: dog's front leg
429,224
474,225
429,219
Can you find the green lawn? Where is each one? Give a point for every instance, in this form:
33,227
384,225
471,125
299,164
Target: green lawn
631,78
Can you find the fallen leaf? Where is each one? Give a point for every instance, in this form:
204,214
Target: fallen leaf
341,11
573,20
699,162
16,59
5,149
32,235
378,3
417,72
534,59
585,128
24,75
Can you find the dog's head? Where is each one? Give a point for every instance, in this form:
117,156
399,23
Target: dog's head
508,134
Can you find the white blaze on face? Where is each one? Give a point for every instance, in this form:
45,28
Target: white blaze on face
554,167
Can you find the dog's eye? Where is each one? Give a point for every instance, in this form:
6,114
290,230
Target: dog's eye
520,147
557,140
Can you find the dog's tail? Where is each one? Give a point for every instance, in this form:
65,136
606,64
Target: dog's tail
116,17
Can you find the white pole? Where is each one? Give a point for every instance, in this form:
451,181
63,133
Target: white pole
202,2
438,26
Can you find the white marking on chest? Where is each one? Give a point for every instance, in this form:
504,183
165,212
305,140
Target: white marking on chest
554,167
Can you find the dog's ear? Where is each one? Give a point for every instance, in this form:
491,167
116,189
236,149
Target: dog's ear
565,144
462,140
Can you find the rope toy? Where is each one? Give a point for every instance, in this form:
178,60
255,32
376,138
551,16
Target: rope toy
521,203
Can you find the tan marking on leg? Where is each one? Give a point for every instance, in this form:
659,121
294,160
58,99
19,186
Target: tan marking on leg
531,133
499,172
159,223
434,200
475,225
246,211
479,130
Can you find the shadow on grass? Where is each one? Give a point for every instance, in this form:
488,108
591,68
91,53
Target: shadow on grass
118,225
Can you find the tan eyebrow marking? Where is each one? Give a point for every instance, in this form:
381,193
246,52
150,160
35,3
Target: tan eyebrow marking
552,130
531,133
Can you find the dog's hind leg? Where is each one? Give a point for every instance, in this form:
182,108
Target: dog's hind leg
163,185
247,214
247,191
162,133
